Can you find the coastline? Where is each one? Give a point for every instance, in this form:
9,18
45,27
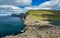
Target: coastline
38,28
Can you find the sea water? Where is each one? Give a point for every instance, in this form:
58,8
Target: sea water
10,25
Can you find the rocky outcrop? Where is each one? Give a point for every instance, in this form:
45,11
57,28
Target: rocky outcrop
30,21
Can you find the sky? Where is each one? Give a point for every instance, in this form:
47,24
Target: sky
8,7
37,2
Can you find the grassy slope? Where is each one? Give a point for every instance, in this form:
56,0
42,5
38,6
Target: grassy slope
45,14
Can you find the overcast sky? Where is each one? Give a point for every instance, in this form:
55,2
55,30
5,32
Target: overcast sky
8,7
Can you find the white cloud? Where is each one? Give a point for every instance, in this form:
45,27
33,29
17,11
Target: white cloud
9,9
16,2
53,4
30,8
49,5
35,8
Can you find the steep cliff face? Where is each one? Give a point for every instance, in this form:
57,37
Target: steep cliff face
38,25
41,17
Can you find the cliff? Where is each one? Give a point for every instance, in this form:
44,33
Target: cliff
41,17
37,24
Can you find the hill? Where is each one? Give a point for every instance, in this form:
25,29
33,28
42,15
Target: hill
44,14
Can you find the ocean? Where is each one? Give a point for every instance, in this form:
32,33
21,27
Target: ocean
14,25
10,25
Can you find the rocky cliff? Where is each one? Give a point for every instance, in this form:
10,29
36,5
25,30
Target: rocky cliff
37,25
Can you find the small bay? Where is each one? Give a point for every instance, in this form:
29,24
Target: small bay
10,25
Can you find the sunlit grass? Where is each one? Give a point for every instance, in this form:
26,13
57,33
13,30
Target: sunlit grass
44,15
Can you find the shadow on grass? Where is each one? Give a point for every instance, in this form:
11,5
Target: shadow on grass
54,19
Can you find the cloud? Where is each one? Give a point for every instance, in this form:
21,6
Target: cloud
35,8
30,8
53,4
16,2
9,9
48,5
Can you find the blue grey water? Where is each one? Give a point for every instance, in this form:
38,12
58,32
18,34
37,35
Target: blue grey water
10,25
56,22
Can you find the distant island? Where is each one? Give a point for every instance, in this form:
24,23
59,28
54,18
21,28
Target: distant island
21,15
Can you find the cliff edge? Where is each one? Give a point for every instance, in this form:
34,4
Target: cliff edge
37,25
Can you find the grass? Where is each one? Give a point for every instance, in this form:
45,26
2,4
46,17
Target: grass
45,14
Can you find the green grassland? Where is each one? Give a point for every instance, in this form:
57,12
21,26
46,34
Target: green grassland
44,14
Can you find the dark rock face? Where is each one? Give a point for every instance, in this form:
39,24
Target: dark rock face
21,15
14,15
